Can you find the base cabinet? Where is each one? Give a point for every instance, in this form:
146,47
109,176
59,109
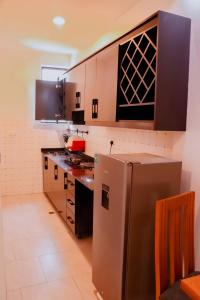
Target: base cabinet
55,186
79,208
83,210
71,199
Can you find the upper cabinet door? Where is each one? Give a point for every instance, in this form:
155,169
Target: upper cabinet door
90,89
69,92
107,72
77,77
49,100
101,86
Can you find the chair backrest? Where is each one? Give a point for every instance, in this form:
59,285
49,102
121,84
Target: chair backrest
174,240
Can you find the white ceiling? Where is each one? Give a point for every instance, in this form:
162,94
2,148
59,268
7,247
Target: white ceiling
29,23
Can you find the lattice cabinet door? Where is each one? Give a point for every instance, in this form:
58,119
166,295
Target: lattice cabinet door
153,72
137,75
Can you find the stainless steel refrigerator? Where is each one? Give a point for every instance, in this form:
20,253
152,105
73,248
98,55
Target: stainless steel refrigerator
125,191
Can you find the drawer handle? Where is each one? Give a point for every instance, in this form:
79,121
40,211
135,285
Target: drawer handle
70,220
94,108
70,201
78,99
46,163
56,172
65,181
70,182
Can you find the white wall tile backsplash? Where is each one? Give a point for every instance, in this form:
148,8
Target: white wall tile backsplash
21,167
21,163
130,140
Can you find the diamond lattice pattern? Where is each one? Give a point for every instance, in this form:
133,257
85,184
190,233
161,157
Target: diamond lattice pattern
138,69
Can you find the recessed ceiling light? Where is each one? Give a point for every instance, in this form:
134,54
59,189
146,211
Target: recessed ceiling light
59,21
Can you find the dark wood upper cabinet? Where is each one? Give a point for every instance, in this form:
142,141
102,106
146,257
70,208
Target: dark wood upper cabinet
153,74
138,81
49,100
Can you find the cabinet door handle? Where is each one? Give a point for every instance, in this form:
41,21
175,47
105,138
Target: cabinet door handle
94,108
70,220
70,202
56,172
78,99
70,182
46,163
65,181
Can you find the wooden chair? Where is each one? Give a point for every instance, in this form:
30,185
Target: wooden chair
174,245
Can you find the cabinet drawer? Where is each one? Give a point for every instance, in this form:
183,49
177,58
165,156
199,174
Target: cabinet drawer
70,204
71,188
70,220
70,183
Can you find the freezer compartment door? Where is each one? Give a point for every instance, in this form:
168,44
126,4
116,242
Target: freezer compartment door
109,226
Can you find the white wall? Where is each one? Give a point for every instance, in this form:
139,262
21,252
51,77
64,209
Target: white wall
2,268
20,137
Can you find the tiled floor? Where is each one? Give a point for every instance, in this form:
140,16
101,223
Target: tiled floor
43,259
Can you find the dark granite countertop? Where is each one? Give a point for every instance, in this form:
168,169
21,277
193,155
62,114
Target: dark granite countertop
85,176
52,150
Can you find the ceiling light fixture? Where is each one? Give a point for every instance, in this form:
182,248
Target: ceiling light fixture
59,21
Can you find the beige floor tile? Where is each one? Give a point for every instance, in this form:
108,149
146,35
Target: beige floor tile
40,248
9,254
33,247
64,242
78,263
64,289
23,273
14,295
15,230
13,198
39,196
38,292
36,206
10,210
55,266
84,283
38,229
